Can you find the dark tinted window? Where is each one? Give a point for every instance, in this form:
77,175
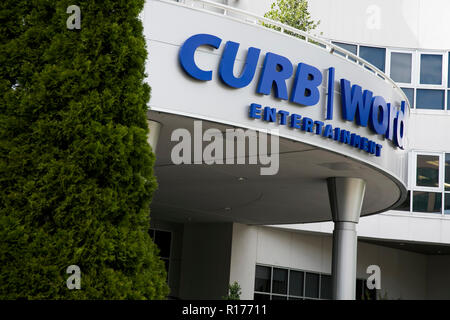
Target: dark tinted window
447,203
401,64
427,202
430,69
259,296
312,285
325,287
430,99
262,279
427,171
349,47
296,283
279,284
409,92
375,56
447,172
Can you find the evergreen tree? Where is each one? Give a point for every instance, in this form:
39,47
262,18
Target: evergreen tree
76,171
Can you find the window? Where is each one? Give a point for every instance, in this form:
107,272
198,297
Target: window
401,66
163,240
258,296
276,283
448,71
375,56
296,283
447,184
427,171
431,69
448,100
447,172
325,287
312,285
409,92
431,184
280,280
263,279
423,76
430,99
427,202
447,203
349,47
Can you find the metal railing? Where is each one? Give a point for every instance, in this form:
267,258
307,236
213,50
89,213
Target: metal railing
254,19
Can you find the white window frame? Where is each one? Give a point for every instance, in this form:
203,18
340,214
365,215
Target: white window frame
388,66
439,189
443,75
414,185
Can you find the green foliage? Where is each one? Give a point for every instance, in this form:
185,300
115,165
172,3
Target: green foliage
293,13
76,171
234,292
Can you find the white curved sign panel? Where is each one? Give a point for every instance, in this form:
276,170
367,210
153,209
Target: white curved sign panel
216,68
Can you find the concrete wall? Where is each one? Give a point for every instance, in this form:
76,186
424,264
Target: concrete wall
438,277
205,266
205,257
403,274
417,23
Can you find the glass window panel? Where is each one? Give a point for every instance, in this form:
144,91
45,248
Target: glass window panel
312,285
294,298
152,234
447,172
447,203
279,284
431,69
296,283
279,297
262,279
162,240
409,92
430,99
325,287
427,202
375,56
427,171
401,67
405,206
260,296
448,71
448,99
349,47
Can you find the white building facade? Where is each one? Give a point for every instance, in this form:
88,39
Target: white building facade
207,248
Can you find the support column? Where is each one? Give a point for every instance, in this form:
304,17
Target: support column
346,197
153,136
